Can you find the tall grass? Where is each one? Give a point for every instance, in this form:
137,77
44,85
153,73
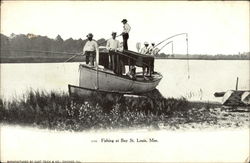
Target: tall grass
60,111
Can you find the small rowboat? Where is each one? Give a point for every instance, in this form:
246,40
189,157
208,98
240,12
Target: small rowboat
109,80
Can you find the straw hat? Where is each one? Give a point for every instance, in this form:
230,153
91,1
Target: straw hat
124,20
90,35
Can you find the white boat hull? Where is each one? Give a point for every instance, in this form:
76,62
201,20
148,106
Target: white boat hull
105,80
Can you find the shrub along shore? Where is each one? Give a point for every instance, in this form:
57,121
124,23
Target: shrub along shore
61,112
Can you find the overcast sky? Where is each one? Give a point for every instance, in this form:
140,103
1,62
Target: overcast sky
213,27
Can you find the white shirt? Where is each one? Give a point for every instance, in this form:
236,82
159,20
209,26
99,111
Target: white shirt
113,44
145,50
155,51
92,46
126,28
151,49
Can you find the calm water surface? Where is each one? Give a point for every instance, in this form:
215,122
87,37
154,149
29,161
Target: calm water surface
206,77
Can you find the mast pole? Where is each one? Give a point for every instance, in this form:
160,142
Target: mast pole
187,55
172,47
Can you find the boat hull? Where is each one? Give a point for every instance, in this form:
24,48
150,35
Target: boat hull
105,80
236,98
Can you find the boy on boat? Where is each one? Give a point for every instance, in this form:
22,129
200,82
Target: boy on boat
91,50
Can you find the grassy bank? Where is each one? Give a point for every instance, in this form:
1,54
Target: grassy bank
59,111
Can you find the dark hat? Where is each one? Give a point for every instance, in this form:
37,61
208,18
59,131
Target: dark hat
113,33
124,20
90,35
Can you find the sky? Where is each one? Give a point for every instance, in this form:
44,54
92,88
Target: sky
213,27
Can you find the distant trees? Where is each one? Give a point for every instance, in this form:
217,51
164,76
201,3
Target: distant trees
31,42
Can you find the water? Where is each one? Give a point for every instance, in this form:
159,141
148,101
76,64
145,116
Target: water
206,77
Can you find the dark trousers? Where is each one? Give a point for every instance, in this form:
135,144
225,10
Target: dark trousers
116,63
111,60
125,37
90,57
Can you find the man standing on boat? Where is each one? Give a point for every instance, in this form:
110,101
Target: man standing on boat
151,48
125,33
153,51
146,51
112,45
91,50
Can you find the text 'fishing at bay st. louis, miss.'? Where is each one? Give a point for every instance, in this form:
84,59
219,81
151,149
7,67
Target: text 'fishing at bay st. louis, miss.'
130,140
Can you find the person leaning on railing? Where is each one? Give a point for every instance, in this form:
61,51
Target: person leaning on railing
91,50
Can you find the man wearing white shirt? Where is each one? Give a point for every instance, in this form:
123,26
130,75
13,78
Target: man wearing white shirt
91,50
112,45
145,49
151,48
125,33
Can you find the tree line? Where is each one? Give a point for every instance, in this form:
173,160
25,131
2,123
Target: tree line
18,44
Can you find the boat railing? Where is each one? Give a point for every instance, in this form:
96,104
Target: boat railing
144,64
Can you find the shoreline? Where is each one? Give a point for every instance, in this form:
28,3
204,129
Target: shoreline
59,111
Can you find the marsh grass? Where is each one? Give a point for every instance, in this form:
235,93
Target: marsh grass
62,112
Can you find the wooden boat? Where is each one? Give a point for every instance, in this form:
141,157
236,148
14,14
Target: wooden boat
234,97
112,80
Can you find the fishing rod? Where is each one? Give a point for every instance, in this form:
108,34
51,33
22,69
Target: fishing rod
166,45
74,57
52,52
40,51
170,38
186,44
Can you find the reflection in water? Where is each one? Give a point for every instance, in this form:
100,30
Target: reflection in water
206,77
